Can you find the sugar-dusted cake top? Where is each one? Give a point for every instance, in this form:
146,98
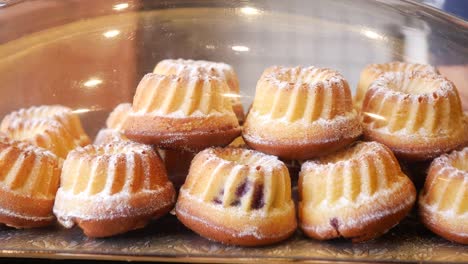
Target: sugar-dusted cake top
181,96
239,179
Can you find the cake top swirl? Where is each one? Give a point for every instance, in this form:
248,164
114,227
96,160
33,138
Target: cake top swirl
26,147
398,66
106,151
353,153
457,160
286,77
182,95
245,158
414,83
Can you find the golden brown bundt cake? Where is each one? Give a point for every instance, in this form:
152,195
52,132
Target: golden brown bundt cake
237,196
53,127
443,203
418,115
29,179
357,193
218,69
301,113
111,189
187,112
373,71
44,133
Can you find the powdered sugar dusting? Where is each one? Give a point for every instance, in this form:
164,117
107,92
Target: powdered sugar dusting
283,77
404,84
377,189
181,96
56,112
444,171
181,114
239,157
378,213
107,206
457,160
27,147
397,66
449,214
248,231
349,121
107,135
177,66
111,201
356,152
6,212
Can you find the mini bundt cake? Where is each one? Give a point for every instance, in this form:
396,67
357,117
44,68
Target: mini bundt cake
114,123
45,133
111,189
443,203
186,112
56,128
237,196
416,114
29,179
373,71
301,113
218,69
64,115
357,193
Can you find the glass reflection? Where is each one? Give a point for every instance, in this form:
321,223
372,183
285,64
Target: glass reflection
372,34
379,117
121,6
248,10
240,48
93,82
111,33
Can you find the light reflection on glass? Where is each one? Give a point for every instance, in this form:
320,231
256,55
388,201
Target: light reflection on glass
210,46
240,48
248,10
231,95
120,6
371,34
82,110
111,33
374,116
93,82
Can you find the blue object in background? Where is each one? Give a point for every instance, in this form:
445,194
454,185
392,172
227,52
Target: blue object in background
456,7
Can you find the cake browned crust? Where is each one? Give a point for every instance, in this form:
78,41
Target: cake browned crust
184,112
111,189
301,113
373,71
218,69
358,193
53,127
443,202
418,115
29,179
237,196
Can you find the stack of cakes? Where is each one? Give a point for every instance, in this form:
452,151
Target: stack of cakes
185,119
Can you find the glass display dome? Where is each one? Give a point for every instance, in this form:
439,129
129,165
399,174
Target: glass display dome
90,55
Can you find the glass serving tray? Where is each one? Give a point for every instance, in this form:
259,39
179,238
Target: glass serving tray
90,55
167,239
